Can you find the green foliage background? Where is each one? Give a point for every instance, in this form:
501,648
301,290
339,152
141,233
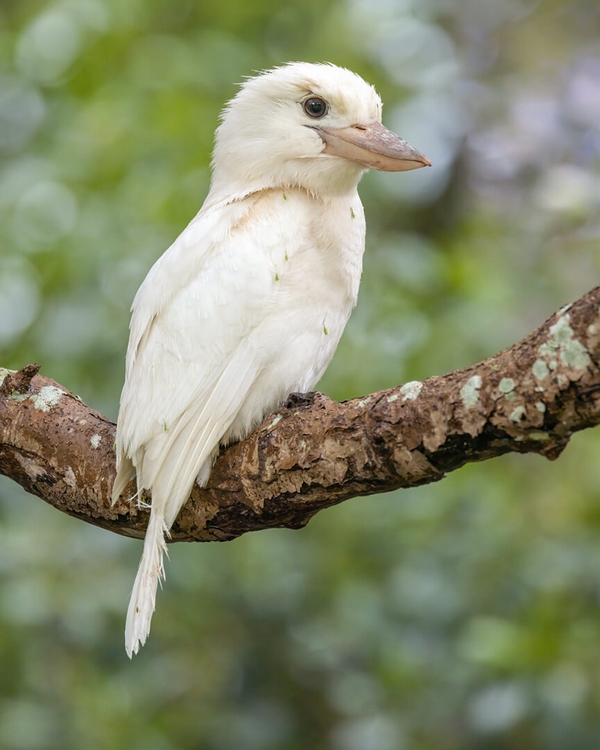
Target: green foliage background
460,616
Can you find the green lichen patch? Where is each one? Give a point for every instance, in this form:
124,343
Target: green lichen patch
506,385
44,400
575,355
47,397
469,393
563,347
539,436
517,414
570,350
411,390
95,441
18,396
561,332
540,369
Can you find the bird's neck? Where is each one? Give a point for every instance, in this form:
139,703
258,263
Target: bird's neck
227,197
317,178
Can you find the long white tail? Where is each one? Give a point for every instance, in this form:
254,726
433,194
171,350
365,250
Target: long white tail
168,465
143,596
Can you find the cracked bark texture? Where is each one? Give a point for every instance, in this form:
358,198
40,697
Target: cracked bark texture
314,452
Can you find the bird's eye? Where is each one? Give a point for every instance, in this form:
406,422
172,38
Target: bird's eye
315,107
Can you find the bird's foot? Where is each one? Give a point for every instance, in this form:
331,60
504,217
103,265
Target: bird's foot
295,400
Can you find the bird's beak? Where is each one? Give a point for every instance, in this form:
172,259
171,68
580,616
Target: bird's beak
373,146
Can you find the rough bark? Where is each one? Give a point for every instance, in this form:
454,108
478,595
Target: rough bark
313,452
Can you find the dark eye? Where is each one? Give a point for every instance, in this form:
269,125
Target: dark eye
315,107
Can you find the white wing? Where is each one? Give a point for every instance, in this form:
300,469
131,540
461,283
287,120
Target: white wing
189,367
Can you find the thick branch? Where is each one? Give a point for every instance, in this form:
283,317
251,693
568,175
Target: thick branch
314,452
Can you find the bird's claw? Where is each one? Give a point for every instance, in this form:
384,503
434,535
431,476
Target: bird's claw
299,399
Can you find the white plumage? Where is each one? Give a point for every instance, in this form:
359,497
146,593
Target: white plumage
249,303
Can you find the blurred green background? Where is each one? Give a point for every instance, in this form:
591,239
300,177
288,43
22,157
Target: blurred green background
460,616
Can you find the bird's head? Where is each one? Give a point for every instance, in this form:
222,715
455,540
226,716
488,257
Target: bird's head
305,125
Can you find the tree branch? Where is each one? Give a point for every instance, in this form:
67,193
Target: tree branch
314,452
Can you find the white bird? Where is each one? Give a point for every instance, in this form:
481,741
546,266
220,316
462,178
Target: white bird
249,303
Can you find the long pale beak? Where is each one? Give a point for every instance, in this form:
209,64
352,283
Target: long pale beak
373,146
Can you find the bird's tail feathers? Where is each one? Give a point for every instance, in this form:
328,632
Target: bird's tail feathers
168,467
143,596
